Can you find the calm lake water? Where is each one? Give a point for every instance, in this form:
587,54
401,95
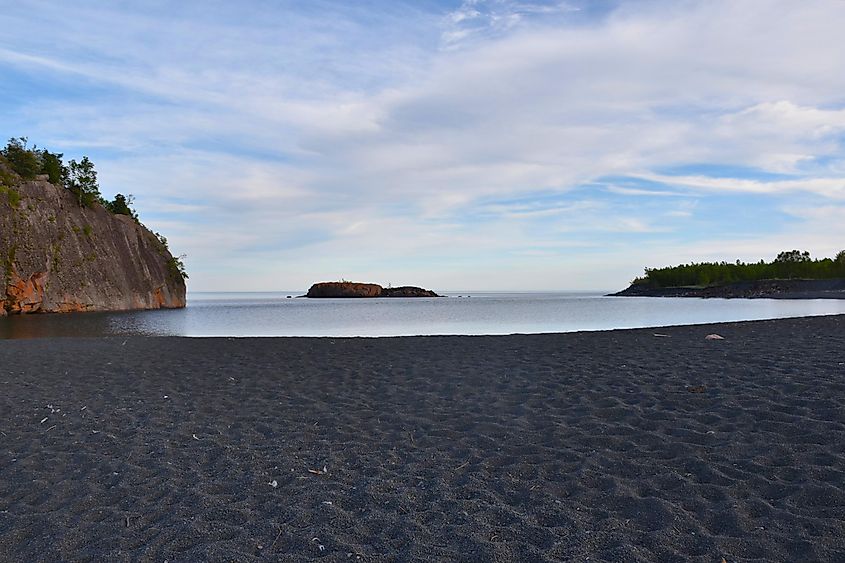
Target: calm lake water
273,314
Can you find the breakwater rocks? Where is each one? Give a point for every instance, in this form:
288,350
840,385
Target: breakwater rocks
60,257
355,289
761,289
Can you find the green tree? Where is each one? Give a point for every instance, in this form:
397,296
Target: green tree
840,257
52,166
793,256
81,179
22,160
121,205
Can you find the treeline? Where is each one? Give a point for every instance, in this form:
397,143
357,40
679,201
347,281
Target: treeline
78,177
791,264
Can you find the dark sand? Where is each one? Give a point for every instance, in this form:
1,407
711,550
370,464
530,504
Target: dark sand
618,446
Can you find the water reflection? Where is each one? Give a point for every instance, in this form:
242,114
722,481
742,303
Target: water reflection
273,314
41,326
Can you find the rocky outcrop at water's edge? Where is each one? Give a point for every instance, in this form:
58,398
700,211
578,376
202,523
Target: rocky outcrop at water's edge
58,257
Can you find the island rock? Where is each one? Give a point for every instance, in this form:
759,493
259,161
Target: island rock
407,291
344,289
355,289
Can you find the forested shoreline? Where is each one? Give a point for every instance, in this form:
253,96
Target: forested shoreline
792,264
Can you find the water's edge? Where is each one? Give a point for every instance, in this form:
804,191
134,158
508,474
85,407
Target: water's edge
466,313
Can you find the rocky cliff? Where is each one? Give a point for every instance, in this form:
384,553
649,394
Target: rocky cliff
56,256
355,289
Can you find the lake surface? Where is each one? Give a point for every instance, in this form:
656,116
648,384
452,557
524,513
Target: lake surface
273,314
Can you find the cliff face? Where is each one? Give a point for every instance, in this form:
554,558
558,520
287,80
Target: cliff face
56,256
354,289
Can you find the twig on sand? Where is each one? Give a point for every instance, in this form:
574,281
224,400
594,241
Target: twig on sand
322,471
461,466
277,538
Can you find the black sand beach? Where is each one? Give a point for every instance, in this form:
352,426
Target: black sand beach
617,446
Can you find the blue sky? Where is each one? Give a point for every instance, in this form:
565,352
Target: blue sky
488,144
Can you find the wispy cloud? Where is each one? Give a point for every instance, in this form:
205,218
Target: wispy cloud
647,193
833,188
384,133
485,18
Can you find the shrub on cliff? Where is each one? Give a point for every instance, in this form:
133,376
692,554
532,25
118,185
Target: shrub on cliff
52,166
22,160
121,206
176,266
8,178
29,162
81,179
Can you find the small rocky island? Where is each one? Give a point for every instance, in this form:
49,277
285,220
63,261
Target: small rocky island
792,275
355,289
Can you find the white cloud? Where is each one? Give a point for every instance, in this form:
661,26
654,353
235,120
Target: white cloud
649,193
339,130
483,18
833,188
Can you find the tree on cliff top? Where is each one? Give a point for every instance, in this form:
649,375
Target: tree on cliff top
52,166
29,162
121,206
24,162
81,179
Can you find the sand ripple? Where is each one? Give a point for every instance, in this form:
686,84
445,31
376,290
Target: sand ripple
614,446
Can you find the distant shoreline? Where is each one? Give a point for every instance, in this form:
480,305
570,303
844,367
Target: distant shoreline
762,289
